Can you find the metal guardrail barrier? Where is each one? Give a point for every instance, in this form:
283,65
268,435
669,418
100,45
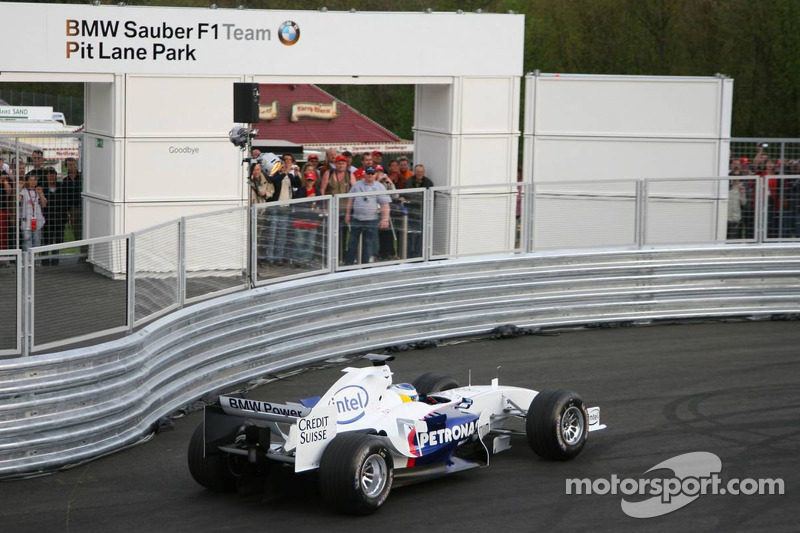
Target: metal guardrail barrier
61,409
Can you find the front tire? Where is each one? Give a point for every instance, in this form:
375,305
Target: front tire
429,383
557,425
212,470
356,473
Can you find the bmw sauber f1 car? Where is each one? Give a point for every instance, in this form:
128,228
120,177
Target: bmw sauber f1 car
366,435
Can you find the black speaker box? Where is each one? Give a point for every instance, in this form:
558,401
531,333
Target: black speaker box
245,102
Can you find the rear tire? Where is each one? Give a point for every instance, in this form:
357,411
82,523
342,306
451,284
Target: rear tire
356,473
212,471
557,425
428,383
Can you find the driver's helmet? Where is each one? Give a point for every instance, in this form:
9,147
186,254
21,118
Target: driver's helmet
406,391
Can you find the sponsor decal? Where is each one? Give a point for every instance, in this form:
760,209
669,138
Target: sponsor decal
289,33
263,407
313,429
351,403
594,415
439,437
313,110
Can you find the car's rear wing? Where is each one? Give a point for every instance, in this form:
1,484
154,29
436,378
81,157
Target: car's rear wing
310,429
287,413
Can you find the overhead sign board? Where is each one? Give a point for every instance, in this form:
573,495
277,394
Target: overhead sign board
161,40
26,113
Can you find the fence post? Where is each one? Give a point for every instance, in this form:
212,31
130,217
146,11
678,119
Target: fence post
333,234
252,245
182,262
524,217
760,213
640,223
427,224
131,281
27,304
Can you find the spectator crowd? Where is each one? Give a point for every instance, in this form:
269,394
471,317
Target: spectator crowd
39,207
288,235
782,195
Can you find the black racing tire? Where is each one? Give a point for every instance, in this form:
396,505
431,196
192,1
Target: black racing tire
356,473
428,383
212,471
557,425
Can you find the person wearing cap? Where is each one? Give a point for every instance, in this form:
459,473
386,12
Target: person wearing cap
366,215
349,155
312,165
377,158
338,180
306,222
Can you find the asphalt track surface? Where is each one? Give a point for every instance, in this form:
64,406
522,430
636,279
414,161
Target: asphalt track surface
732,389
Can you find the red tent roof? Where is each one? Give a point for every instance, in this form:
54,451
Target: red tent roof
348,127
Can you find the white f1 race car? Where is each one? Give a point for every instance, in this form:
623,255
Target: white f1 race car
366,435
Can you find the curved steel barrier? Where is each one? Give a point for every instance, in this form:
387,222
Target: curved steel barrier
64,408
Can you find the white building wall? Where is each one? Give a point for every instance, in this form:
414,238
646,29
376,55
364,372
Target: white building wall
467,134
597,128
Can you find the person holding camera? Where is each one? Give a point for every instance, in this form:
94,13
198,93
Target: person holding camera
261,191
286,182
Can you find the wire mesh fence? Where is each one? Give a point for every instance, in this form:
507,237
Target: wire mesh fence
686,211
83,290
10,302
781,207
380,227
156,270
291,238
476,220
79,297
584,214
216,251
40,190
752,156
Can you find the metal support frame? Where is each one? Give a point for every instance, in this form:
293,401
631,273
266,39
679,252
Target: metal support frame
333,234
640,222
131,299
182,263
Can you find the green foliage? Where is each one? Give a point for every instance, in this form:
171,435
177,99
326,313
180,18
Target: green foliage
757,43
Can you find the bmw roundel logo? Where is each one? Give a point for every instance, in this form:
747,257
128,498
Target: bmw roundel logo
289,33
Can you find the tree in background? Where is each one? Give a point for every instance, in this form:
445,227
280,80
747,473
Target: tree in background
755,43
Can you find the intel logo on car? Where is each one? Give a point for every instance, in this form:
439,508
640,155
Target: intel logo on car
351,402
